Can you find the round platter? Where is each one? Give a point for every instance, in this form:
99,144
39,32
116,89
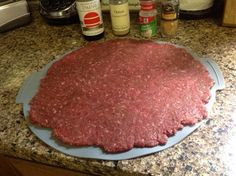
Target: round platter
31,86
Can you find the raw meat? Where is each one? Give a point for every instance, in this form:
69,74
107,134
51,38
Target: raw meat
122,94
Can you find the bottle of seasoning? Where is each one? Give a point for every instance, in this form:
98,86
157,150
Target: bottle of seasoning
119,10
169,17
90,16
148,18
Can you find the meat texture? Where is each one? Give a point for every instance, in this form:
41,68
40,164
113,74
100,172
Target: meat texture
121,94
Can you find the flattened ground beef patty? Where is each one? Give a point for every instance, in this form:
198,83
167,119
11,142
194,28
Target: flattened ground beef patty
121,94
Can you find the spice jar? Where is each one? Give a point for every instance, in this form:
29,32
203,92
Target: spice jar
169,17
90,16
120,19
148,18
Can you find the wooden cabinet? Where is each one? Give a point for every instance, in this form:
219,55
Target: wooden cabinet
6,168
229,18
17,167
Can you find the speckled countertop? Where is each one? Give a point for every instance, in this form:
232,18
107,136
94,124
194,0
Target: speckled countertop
208,151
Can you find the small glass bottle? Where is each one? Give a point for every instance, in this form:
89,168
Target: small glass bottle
120,19
169,17
90,16
148,18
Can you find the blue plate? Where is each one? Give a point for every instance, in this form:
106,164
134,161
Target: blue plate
31,86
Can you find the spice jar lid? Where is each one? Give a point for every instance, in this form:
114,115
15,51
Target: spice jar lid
147,5
169,10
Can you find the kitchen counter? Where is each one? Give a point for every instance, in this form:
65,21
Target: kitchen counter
210,150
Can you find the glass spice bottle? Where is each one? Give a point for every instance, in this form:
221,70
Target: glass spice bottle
90,16
169,17
148,18
119,10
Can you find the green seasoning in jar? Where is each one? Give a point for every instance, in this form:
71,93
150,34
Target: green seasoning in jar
148,19
169,17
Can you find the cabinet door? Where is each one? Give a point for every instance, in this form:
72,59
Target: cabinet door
30,168
6,168
229,18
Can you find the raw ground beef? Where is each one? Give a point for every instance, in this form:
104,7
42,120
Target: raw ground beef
122,94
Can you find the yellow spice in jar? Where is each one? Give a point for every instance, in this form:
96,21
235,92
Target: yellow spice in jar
169,28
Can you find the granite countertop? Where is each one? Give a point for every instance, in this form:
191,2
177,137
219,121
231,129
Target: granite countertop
210,150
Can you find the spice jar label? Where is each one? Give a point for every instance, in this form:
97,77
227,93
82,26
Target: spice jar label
90,17
120,17
146,20
148,26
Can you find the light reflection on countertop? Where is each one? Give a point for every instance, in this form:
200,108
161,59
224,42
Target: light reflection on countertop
228,153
